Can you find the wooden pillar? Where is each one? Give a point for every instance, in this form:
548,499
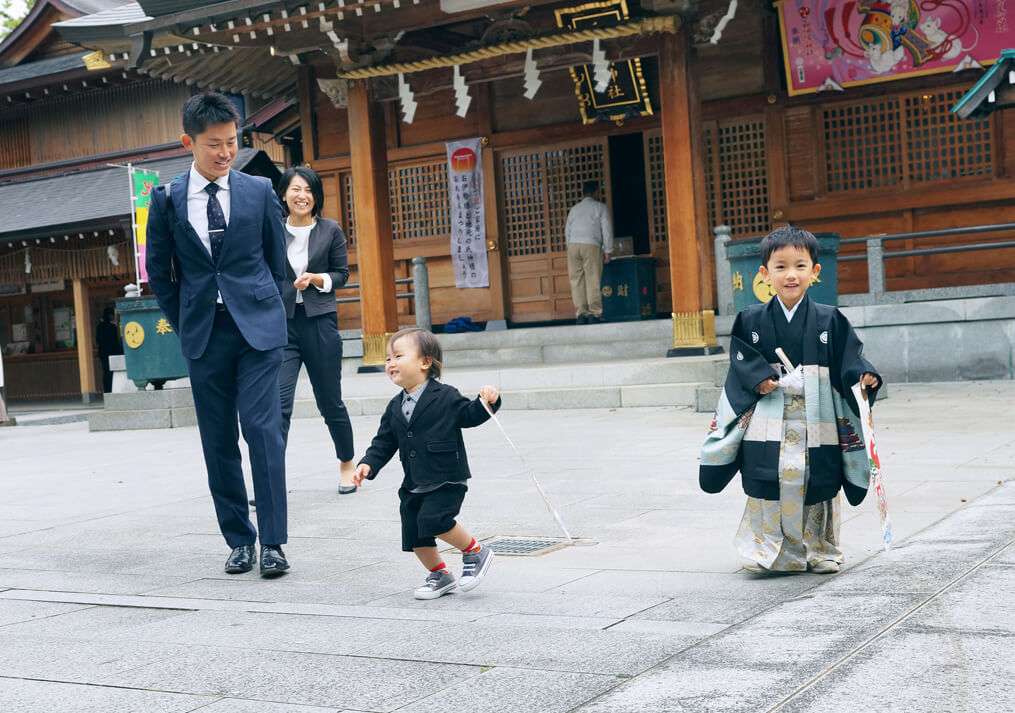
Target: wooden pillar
374,249
693,326
306,86
86,341
495,255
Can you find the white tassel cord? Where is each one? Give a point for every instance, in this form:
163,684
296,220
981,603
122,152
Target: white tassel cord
532,473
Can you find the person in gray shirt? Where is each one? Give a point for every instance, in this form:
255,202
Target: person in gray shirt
589,237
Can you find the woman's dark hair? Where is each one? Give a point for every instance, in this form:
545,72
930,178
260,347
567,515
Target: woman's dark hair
426,343
312,179
203,110
786,237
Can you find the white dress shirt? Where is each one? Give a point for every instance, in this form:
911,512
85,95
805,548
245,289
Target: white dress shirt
197,205
786,310
588,222
298,252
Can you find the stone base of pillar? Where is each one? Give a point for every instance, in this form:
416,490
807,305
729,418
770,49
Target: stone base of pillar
694,334
375,350
694,351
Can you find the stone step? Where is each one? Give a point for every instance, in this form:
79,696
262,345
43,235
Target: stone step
676,395
544,345
601,384
595,374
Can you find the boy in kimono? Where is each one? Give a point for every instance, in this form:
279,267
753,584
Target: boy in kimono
423,424
793,436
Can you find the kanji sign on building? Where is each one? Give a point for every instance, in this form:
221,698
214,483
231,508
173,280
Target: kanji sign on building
468,219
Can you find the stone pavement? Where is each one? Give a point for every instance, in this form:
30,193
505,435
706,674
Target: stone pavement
112,596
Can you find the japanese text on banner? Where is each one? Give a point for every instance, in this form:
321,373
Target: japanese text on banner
468,218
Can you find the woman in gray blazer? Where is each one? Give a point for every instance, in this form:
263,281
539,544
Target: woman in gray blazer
317,265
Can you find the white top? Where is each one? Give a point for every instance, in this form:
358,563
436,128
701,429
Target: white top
588,223
197,205
787,311
298,252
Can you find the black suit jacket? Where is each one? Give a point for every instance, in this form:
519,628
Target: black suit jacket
430,446
326,253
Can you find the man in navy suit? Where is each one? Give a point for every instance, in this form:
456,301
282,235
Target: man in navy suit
216,260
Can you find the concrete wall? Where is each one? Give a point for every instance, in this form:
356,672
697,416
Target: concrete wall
941,340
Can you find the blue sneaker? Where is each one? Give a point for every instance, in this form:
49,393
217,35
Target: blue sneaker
474,568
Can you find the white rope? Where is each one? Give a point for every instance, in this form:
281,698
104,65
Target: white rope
532,473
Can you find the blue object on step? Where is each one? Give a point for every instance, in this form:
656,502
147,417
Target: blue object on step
461,324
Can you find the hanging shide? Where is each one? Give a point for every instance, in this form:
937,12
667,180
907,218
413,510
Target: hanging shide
57,264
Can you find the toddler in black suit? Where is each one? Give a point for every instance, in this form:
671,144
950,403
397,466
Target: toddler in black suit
424,423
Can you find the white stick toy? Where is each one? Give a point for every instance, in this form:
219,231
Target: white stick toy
532,473
784,359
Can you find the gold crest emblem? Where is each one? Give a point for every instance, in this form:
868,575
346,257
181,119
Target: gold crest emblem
133,335
762,288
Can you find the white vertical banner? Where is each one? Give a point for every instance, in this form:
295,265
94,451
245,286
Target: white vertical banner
468,216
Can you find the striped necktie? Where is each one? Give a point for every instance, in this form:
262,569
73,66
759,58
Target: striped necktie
216,222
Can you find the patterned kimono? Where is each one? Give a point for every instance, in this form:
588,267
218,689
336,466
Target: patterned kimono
796,447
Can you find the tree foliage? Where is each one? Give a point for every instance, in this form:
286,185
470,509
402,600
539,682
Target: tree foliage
12,12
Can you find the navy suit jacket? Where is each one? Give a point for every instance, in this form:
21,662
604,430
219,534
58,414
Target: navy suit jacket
249,275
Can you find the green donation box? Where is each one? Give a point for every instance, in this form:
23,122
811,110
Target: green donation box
629,289
151,346
749,287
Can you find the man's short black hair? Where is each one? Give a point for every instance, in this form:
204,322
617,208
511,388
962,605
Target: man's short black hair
590,188
204,110
789,236
312,179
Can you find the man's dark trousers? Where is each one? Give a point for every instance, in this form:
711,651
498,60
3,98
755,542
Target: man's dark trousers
232,377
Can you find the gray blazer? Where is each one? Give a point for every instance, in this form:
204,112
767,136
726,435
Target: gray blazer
327,253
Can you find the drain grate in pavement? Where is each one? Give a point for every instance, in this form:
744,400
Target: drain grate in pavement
524,546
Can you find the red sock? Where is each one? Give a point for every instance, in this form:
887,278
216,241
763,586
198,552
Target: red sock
439,568
473,547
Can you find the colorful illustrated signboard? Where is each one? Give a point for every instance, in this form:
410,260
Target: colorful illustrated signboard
876,481
142,183
836,44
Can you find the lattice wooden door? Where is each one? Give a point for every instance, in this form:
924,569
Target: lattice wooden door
537,189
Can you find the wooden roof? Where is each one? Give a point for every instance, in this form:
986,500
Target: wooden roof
254,46
93,197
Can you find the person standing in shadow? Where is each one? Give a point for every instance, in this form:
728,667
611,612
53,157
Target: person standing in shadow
107,339
318,264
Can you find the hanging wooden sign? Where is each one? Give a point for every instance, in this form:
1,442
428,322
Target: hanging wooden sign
626,95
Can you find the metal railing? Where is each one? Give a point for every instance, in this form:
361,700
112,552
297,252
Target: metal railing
875,256
877,292
420,294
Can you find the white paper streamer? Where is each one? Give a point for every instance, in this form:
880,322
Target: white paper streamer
462,98
725,20
532,80
600,67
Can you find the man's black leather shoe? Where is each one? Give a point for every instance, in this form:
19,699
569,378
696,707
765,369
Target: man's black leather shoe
273,561
241,560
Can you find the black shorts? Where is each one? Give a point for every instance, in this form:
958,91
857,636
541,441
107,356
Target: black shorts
426,515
